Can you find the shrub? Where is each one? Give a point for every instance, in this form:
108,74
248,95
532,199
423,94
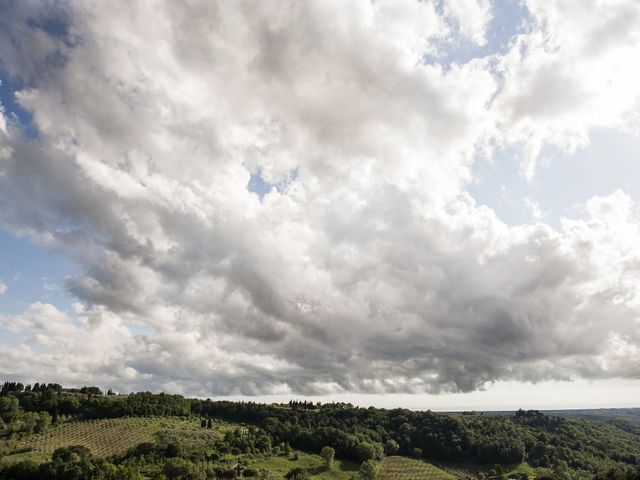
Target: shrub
297,473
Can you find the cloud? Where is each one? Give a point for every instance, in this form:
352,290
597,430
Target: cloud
472,16
3,287
571,73
371,270
536,211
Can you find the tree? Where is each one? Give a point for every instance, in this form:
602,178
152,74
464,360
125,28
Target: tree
43,422
68,405
327,454
9,408
179,468
368,470
391,447
297,473
369,451
91,390
25,469
72,463
30,420
55,387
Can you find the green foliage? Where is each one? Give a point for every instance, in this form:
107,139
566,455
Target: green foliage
9,408
391,447
146,403
43,422
368,470
359,433
278,466
11,387
297,473
70,463
179,468
369,451
91,390
628,473
327,454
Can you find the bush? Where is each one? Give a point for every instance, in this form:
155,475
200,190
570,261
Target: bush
368,470
327,454
391,447
297,473
179,468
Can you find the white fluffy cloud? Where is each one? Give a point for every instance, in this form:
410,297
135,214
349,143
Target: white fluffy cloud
370,270
3,287
574,71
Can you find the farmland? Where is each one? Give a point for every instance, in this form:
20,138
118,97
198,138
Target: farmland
106,437
475,470
403,468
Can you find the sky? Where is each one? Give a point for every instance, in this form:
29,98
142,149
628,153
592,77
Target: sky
428,204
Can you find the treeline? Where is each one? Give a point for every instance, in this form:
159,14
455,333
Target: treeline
88,402
361,433
139,404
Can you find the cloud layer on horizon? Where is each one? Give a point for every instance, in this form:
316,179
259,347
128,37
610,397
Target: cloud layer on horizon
370,268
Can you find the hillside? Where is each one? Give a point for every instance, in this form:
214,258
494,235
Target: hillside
113,436
153,433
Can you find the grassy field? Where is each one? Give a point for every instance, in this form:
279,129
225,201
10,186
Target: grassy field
341,470
403,468
107,437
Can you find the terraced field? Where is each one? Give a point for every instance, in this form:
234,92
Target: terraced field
471,470
403,468
461,470
107,437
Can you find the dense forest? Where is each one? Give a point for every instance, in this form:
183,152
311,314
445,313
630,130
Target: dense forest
363,433
568,446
